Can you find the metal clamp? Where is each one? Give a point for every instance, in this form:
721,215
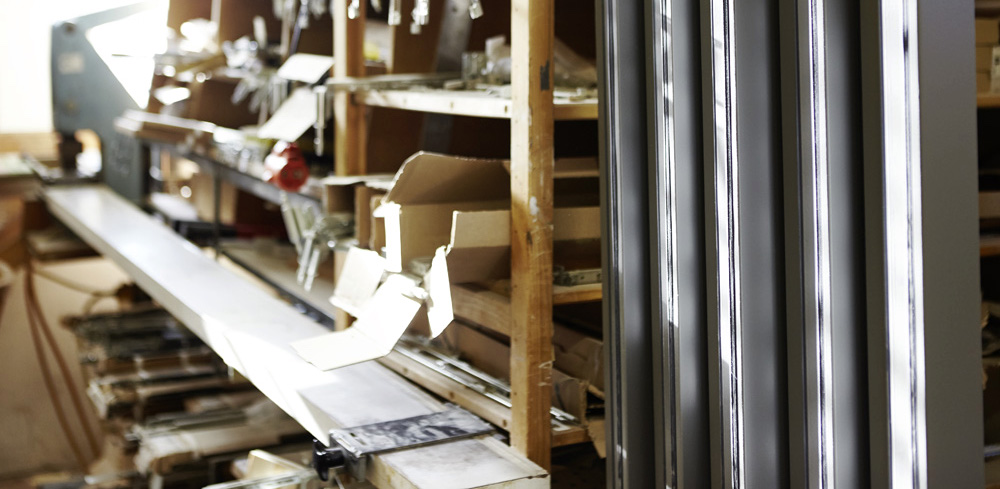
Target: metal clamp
351,447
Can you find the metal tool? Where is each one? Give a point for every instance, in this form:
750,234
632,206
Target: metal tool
467,375
317,7
475,9
279,92
351,447
561,276
321,116
318,239
302,20
395,12
421,16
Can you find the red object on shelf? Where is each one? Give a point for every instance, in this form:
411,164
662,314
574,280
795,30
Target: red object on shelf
285,167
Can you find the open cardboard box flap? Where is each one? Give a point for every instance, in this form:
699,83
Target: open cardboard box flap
427,189
479,248
431,178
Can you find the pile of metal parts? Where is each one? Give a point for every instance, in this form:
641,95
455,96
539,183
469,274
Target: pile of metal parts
168,402
449,365
143,363
314,235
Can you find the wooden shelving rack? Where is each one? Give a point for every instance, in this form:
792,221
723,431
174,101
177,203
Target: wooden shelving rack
532,112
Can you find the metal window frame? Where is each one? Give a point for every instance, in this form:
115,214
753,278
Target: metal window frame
722,183
810,302
684,336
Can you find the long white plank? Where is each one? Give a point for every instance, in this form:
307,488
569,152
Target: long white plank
252,330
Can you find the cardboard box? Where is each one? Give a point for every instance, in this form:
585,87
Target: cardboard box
366,198
419,209
428,189
340,193
456,212
987,31
211,101
983,83
579,355
479,248
377,239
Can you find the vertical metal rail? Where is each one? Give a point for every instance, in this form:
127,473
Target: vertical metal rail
722,182
903,245
663,247
807,193
626,238
895,252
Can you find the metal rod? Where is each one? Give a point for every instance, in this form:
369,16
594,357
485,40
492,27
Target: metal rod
416,352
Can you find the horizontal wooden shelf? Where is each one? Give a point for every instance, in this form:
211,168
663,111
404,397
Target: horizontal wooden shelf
989,245
988,100
492,411
276,273
470,103
574,294
252,332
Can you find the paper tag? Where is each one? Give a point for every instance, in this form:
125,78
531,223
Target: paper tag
381,323
293,118
440,312
306,68
358,280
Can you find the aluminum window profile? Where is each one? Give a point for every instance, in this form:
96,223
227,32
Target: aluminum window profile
625,245
807,193
722,184
663,190
896,289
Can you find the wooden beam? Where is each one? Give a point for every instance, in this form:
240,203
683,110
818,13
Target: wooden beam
350,129
491,309
532,162
482,307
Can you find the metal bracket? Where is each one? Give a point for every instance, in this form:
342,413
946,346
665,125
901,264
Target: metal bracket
350,447
561,276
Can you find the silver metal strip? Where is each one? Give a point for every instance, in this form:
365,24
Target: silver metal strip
815,234
664,245
614,258
903,244
725,205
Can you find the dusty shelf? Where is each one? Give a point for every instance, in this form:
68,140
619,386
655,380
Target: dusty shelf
472,103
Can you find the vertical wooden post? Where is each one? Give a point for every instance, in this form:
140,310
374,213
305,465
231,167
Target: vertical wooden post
349,129
348,118
531,168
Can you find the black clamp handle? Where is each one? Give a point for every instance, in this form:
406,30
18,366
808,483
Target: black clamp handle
325,458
